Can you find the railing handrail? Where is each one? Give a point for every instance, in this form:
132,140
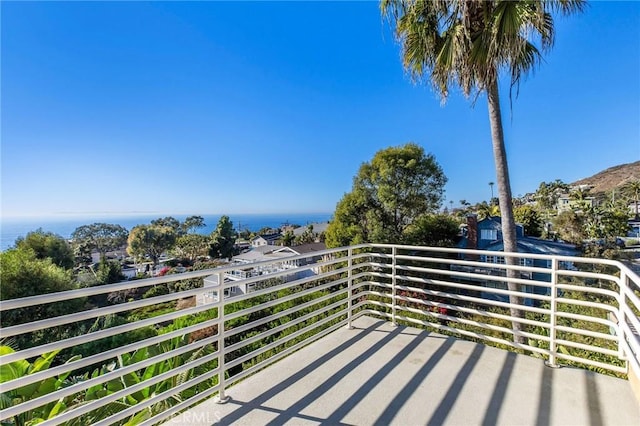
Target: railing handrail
372,279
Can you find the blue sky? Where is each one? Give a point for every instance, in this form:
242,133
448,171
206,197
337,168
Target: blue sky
211,107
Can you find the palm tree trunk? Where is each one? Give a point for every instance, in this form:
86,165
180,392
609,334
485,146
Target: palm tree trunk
504,197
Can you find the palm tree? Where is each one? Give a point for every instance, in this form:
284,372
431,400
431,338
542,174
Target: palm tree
467,44
491,185
487,210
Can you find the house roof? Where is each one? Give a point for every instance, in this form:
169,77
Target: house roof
259,255
318,227
268,237
538,246
309,248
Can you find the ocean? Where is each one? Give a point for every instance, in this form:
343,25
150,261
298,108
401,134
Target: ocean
12,228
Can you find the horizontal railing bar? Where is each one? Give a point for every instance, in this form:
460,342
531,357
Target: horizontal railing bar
472,263
577,302
475,335
94,313
117,373
102,356
585,347
604,366
160,397
86,408
278,301
474,311
593,290
233,331
277,343
100,334
276,357
63,296
483,277
458,251
469,322
580,317
632,317
182,405
589,333
633,297
281,327
632,342
584,274
522,294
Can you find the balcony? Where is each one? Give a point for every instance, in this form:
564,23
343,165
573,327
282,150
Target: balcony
378,334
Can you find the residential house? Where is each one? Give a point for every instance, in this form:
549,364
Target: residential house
247,268
487,235
566,203
265,240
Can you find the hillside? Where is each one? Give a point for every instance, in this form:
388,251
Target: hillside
613,177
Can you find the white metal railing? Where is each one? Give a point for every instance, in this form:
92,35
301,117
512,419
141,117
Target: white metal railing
152,364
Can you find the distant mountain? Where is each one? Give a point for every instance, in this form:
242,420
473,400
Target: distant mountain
611,178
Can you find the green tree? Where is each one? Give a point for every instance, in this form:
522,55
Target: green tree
607,221
150,240
101,237
433,230
223,239
468,44
47,245
191,224
287,238
547,195
529,218
306,237
109,272
486,210
191,246
632,190
23,275
398,186
570,227
581,197
169,222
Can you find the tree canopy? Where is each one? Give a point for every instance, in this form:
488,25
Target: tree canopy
47,245
398,186
223,239
23,274
191,246
150,240
192,223
101,237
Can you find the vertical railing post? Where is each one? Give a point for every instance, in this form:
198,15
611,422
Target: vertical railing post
393,285
621,315
222,397
349,287
552,315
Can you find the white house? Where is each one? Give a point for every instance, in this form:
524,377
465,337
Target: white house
246,269
265,240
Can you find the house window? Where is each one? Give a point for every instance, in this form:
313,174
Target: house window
489,234
526,262
495,259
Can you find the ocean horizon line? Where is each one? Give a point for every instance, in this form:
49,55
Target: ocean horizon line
90,215
64,226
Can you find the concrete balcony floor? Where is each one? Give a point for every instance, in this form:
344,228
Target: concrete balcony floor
380,374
